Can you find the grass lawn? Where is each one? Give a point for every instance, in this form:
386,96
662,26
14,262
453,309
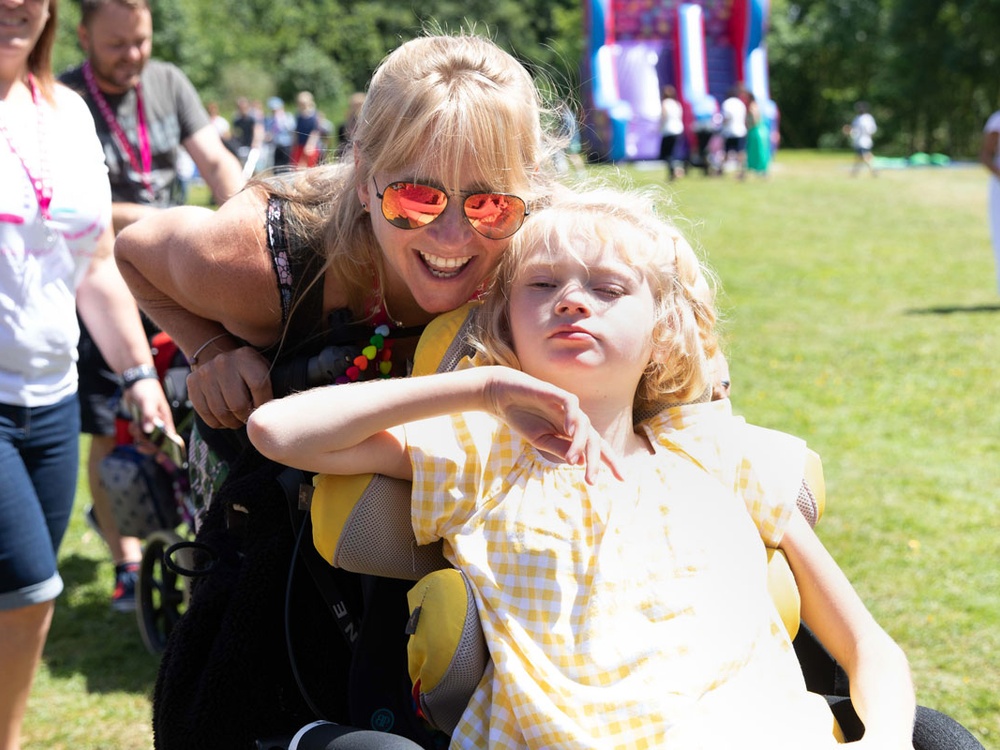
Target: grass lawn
860,314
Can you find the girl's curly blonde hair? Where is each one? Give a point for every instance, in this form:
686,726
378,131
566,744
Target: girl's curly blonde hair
628,221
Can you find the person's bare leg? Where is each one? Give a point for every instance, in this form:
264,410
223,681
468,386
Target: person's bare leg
22,638
122,548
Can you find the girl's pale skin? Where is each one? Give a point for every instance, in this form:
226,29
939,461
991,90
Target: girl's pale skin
577,325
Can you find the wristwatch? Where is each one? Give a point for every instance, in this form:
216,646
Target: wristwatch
133,375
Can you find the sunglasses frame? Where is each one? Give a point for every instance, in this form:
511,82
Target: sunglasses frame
380,194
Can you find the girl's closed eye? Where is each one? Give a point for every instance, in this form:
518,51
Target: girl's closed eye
613,291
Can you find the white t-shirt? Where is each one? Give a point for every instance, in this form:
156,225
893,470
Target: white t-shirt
672,117
42,263
862,130
734,118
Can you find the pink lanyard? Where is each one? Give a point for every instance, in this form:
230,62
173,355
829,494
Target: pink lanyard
40,182
144,168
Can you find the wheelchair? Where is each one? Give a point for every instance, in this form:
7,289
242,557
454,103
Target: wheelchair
151,499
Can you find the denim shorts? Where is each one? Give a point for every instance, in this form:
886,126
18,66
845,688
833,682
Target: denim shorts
39,462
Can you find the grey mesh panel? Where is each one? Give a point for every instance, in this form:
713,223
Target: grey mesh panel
378,536
445,705
807,503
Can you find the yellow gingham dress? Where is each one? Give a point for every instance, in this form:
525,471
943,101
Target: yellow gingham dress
622,615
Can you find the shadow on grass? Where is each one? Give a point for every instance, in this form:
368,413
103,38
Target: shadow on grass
954,309
88,638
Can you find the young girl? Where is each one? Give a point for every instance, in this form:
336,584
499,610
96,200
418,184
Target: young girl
622,588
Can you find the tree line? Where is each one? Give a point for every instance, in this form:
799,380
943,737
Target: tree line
928,68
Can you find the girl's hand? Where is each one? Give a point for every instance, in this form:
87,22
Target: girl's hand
225,389
550,419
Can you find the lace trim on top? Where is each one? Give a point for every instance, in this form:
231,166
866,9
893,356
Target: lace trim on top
277,244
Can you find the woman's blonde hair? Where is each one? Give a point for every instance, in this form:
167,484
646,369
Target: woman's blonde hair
684,338
443,104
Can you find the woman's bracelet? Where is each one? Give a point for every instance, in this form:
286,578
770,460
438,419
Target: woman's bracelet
193,359
133,375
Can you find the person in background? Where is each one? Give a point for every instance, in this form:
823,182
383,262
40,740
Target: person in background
346,130
326,131
989,156
860,131
222,126
305,147
734,130
706,131
144,110
279,134
248,134
758,138
55,256
671,129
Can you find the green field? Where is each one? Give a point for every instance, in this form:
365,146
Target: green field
860,314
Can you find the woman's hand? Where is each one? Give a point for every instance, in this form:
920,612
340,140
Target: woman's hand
550,419
146,399
225,389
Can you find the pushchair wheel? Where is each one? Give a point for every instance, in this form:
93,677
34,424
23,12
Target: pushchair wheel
161,594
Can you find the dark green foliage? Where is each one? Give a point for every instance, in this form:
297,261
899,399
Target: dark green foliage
928,67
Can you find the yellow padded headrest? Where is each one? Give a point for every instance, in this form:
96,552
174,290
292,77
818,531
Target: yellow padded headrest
335,497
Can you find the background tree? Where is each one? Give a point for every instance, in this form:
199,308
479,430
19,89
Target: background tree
926,67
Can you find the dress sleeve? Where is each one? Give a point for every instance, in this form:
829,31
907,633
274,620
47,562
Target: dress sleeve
769,477
764,467
450,457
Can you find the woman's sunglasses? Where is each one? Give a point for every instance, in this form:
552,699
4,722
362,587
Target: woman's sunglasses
411,205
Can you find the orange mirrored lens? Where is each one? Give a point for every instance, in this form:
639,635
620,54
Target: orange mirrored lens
495,215
408,205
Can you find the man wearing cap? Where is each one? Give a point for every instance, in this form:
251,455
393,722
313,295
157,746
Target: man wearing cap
145,111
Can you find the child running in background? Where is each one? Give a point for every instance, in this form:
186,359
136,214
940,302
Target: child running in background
621,587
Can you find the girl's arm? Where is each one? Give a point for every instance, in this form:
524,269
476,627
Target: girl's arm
881,687
348,429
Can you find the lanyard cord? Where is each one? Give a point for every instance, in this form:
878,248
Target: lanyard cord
144,162
41,182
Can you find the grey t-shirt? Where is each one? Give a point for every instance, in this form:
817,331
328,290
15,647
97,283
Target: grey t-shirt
173,113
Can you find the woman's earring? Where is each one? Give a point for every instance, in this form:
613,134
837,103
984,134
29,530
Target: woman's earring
364,206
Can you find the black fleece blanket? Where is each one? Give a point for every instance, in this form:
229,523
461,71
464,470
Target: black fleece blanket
226,678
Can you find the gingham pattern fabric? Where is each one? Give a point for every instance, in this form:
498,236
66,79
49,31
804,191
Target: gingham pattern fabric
622,615
764,467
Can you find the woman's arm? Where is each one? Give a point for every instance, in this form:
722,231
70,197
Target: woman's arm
881,687
110,314
347,429
200,274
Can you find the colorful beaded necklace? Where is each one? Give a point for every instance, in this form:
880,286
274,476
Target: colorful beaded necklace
375,359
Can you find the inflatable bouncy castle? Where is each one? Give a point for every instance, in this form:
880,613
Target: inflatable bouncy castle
635,47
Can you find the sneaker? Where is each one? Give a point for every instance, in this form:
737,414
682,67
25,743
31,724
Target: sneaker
123,597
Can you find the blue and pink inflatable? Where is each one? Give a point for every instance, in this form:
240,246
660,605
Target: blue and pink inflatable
635,47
